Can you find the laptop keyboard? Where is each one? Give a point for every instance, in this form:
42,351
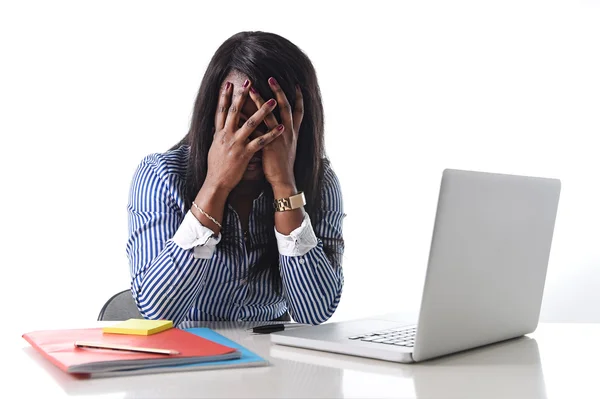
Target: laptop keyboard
396,336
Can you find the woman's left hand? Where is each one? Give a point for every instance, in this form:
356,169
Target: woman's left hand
279,156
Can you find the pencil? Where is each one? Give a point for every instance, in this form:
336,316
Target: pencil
127,348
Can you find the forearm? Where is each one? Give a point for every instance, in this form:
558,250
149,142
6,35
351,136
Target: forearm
167,278
312,285
167,252
168,286
312,282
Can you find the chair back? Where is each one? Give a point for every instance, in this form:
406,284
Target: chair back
119,307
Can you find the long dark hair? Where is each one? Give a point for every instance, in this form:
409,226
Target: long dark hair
260,55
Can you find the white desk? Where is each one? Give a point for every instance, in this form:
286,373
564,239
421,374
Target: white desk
561,361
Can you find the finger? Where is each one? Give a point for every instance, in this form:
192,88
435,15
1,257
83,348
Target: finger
284,106
298,109
239,97
260,142
256,119
270,119
223,106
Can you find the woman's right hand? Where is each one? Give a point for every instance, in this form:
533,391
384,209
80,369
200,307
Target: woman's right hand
231,149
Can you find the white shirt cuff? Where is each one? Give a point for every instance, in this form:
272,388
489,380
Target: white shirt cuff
193,234
299,242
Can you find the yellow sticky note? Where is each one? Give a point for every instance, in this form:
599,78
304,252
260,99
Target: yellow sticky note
139,327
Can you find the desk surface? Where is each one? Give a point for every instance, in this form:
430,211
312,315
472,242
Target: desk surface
556,361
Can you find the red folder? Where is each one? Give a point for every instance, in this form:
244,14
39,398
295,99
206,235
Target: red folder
58,347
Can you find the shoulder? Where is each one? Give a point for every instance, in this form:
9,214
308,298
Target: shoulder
330,178
167,165
159,178
331,190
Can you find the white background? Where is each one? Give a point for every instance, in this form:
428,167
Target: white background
87,89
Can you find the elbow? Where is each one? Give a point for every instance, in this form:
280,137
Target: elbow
319,313
312,318
160,311
157,307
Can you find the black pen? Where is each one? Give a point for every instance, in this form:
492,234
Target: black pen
269,328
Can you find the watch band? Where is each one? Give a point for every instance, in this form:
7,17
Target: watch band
290,203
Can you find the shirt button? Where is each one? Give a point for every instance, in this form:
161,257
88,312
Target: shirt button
301,261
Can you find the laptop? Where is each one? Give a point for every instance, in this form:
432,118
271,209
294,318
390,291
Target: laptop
485,274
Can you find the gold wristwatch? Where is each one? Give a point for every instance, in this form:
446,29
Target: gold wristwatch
290,203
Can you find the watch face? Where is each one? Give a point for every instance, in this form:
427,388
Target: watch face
297,201
288,204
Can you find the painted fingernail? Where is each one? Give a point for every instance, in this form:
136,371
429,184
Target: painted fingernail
227,85
272,81
271,102
253,90
280,128
246,83
297,86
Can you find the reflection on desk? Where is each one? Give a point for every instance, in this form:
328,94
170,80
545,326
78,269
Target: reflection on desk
512,367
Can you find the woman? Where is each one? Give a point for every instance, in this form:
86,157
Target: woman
242,220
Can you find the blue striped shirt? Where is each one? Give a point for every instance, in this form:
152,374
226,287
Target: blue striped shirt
168,282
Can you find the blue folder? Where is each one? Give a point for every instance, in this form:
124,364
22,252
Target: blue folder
247,359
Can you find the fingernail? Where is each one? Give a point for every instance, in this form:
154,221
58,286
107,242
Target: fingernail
272,81
271,102
227,85
246,83
253,90
297,86
280,127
